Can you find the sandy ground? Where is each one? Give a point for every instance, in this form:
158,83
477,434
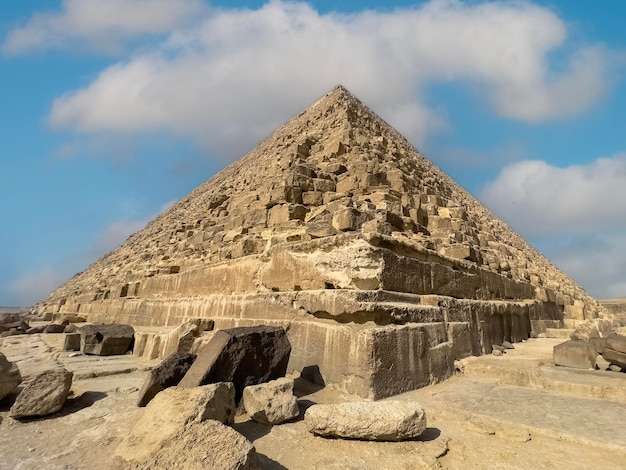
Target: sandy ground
514,412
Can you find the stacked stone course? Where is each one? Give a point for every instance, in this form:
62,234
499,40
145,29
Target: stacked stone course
334,223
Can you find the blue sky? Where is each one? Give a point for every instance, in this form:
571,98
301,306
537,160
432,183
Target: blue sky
113,109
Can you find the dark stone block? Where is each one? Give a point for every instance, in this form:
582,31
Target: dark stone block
614,357
54,328
106,340
72,342
167,374
616,343
244,356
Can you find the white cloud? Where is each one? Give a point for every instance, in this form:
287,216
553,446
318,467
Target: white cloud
229,82
101,25
537,198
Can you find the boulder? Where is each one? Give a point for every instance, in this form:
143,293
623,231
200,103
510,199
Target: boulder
106,340
372,421
575,353
10,376
43,394
616,342
272,402
171,412
208,444
585,331
18,325
36,329
614,357
73,318
167,374
244,356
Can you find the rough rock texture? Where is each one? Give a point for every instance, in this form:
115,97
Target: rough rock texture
208,444
372,421
380,267
71,342
585,331
170,414
167,374
43,394
575,353
615,350
10,376
272,402
182,338
244,356
106,340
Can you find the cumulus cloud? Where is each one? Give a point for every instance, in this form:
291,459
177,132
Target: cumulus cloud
539,199
229,81
101,25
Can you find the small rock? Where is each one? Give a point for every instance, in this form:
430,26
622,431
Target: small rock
75,354
373,421
507,345
43,394
497,347
272,402
497,352
10,376
615,368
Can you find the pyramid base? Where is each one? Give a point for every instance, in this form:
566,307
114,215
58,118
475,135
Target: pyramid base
373,344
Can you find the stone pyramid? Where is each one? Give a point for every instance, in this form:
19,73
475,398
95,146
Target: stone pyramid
382,269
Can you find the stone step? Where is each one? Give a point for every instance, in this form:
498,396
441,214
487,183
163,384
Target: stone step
559,332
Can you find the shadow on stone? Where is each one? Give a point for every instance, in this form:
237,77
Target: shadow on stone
85,400
429,434
268,464
252,430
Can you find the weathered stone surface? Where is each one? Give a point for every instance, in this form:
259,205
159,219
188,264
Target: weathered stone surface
71,342
106,340
616,342
248,244
208,444
585,331
577,354
10,376
167,374
170,413
73,318
614,357
373,421
42,394
54,328
272,402
182,338
244,356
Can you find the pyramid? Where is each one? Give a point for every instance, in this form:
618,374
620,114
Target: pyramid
381,268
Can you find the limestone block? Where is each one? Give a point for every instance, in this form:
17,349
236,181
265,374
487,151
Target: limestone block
243,355
286,212
71,342
312,198
345,219
372,421
282,194
106,340
461,337
167,374
171,412
576,354
208,444
10,376
302,181
43,394
54,328
614,357
324,185
347,183
336,168
616,342
585,331
272,402
304,170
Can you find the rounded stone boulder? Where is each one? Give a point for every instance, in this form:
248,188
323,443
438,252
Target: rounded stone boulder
373,421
